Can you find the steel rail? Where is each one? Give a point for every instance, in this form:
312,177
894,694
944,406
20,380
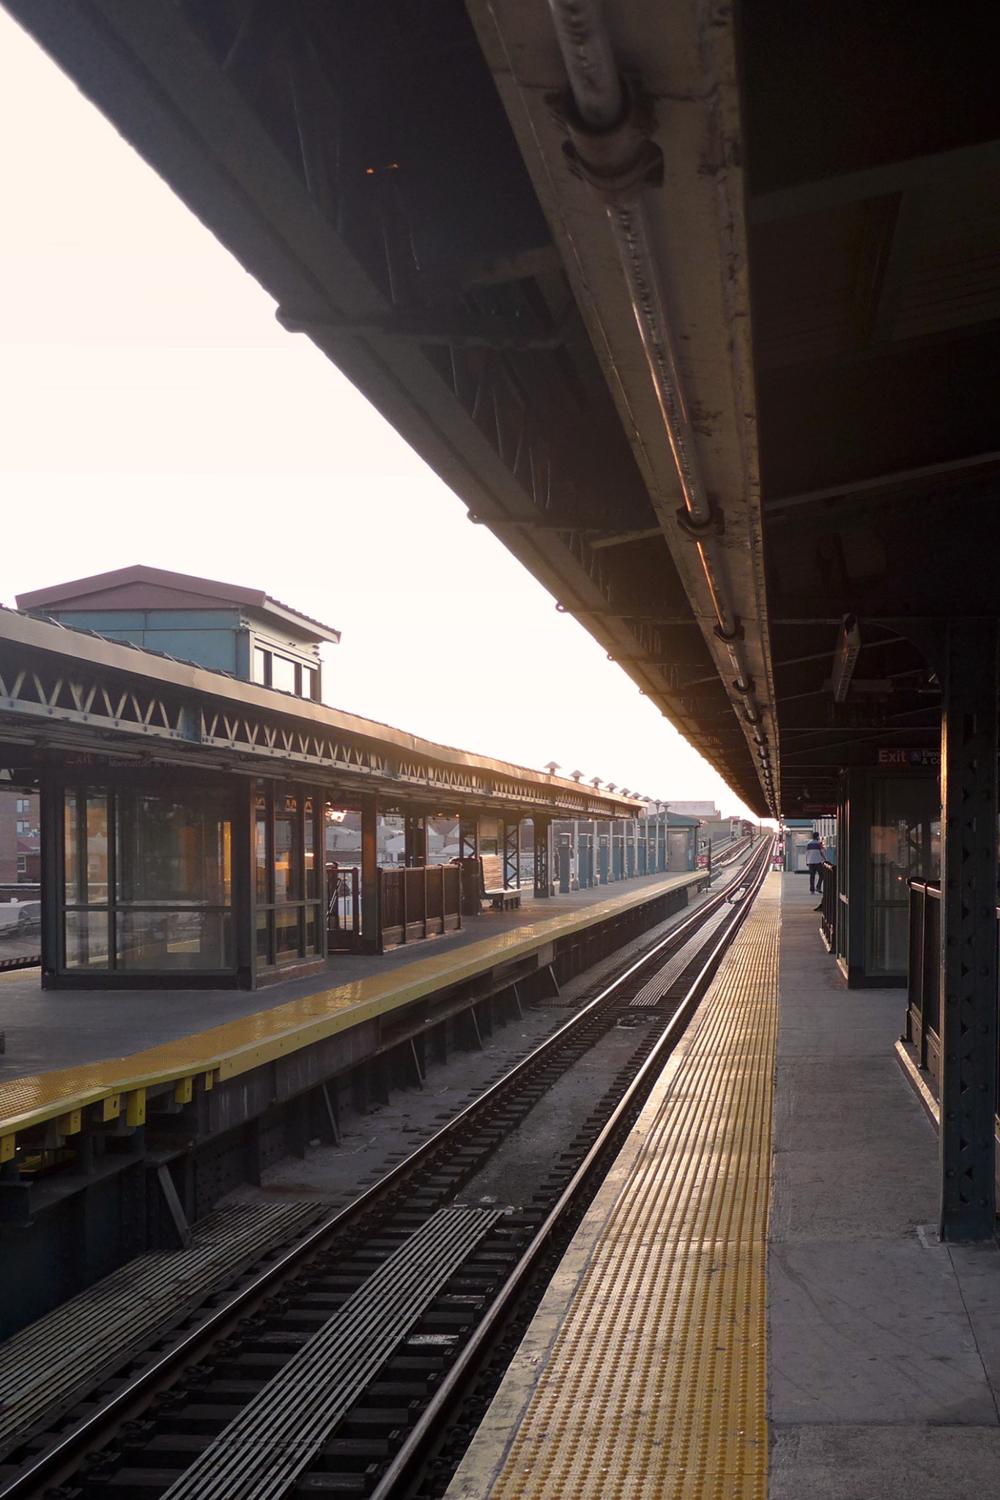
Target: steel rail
32,1473
29,961
414,1449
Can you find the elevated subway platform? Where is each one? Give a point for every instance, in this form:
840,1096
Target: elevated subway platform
757,1303
217,1105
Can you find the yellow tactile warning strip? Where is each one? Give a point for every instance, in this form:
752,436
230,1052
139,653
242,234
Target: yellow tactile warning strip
237,1046
653,1382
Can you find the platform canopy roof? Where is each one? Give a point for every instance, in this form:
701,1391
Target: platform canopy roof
715,359
73,698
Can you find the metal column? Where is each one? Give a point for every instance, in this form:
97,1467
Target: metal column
969,931
543,863
603,858
415,840
371,918
510,845
585,858
565,857
468,838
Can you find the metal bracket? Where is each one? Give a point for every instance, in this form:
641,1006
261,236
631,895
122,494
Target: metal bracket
618,161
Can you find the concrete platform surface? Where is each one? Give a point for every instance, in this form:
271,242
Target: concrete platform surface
70,1045
884,1344
881,1363
642,1372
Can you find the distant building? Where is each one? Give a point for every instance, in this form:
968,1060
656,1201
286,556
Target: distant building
20,843
705,810
217,625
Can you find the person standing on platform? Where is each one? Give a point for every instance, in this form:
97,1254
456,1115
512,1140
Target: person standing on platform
814,863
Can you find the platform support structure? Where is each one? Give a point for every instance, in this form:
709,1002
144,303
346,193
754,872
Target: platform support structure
603,857
543,857
564,856
969,930
468,838
585,856
415,840
371,917
510,840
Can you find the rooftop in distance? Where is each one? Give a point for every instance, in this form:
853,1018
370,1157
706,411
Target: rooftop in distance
222,626
139,587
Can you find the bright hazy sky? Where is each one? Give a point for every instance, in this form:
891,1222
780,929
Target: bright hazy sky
153,411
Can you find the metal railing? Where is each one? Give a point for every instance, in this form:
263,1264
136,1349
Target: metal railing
343,912
420,902
829,905
923,981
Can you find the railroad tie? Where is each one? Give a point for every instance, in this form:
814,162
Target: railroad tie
657,986
281,1430
50,1362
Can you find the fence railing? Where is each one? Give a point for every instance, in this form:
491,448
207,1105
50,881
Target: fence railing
343,911
923,983
419,903
829,906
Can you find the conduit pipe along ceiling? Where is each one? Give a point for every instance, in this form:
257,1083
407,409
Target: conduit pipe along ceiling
614,153
576,366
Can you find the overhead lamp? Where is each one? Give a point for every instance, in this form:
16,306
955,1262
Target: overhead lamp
845,657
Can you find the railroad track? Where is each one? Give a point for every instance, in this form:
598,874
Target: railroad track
355,1361
22,961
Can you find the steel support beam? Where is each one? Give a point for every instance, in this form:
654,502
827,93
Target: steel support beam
564,855
415,840
371,923
468,838
543,858
969,931
510,836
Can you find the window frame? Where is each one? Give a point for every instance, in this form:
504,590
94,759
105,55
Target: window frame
270,795
113,907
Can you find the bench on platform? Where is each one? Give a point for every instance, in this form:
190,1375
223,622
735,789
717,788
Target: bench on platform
500,897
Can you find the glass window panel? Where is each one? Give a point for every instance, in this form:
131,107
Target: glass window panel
261,664
309,677
904,843
96,875
312,930
174,940
286,932
287,850
312,863
173,849
87,940
264,936
282,673
71,848
260,850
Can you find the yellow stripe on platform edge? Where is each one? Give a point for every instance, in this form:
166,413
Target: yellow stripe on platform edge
655,1385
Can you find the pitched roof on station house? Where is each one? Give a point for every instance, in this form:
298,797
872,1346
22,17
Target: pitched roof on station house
139,587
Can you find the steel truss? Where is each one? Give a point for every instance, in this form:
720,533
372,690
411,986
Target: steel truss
511,854
61,701
270,122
